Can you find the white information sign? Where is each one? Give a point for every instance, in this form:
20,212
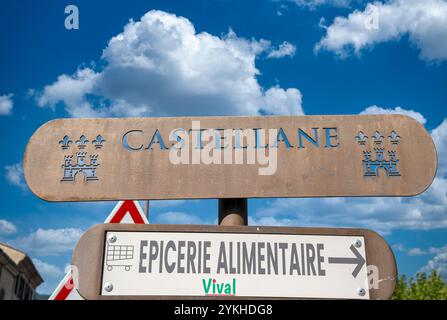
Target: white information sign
234,264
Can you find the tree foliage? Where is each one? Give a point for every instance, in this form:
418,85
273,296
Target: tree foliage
422,287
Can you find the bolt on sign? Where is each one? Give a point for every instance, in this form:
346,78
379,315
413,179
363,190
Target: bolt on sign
193,262
229,157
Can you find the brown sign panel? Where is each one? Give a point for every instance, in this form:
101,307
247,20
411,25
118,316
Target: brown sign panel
229,157
216,262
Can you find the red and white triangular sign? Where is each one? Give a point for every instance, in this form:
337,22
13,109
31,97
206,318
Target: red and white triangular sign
127,212
124,212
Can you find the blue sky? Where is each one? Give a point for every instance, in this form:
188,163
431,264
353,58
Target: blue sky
276,57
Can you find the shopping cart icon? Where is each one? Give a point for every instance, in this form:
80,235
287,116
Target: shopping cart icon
119,256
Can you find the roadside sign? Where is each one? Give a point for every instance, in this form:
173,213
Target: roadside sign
193,262
229,157
66,290
128,212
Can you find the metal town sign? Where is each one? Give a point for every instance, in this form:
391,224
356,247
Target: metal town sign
229,157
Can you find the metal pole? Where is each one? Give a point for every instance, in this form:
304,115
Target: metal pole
146,209
233,212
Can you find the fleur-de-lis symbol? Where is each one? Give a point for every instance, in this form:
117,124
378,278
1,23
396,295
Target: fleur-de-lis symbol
65,142
361,138
394,137
98,142
377,137
82,142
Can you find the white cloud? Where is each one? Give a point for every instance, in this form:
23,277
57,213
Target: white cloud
160,65
280,101
438,263
419,251
7,228
173,217
384,214
399,247
272,221
46,269
285,49
313,4
398,110
71,90
6,104
380,214
282,9
423,21
415,252
49,242
14,175
439,136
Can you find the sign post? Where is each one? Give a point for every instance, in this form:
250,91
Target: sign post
233,212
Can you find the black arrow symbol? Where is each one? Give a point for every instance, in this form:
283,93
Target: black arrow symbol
358,260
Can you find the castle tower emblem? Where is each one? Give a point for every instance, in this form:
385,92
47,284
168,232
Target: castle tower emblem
85,164
373,163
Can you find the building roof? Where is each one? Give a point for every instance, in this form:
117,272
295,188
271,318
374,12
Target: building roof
15,255
22,261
